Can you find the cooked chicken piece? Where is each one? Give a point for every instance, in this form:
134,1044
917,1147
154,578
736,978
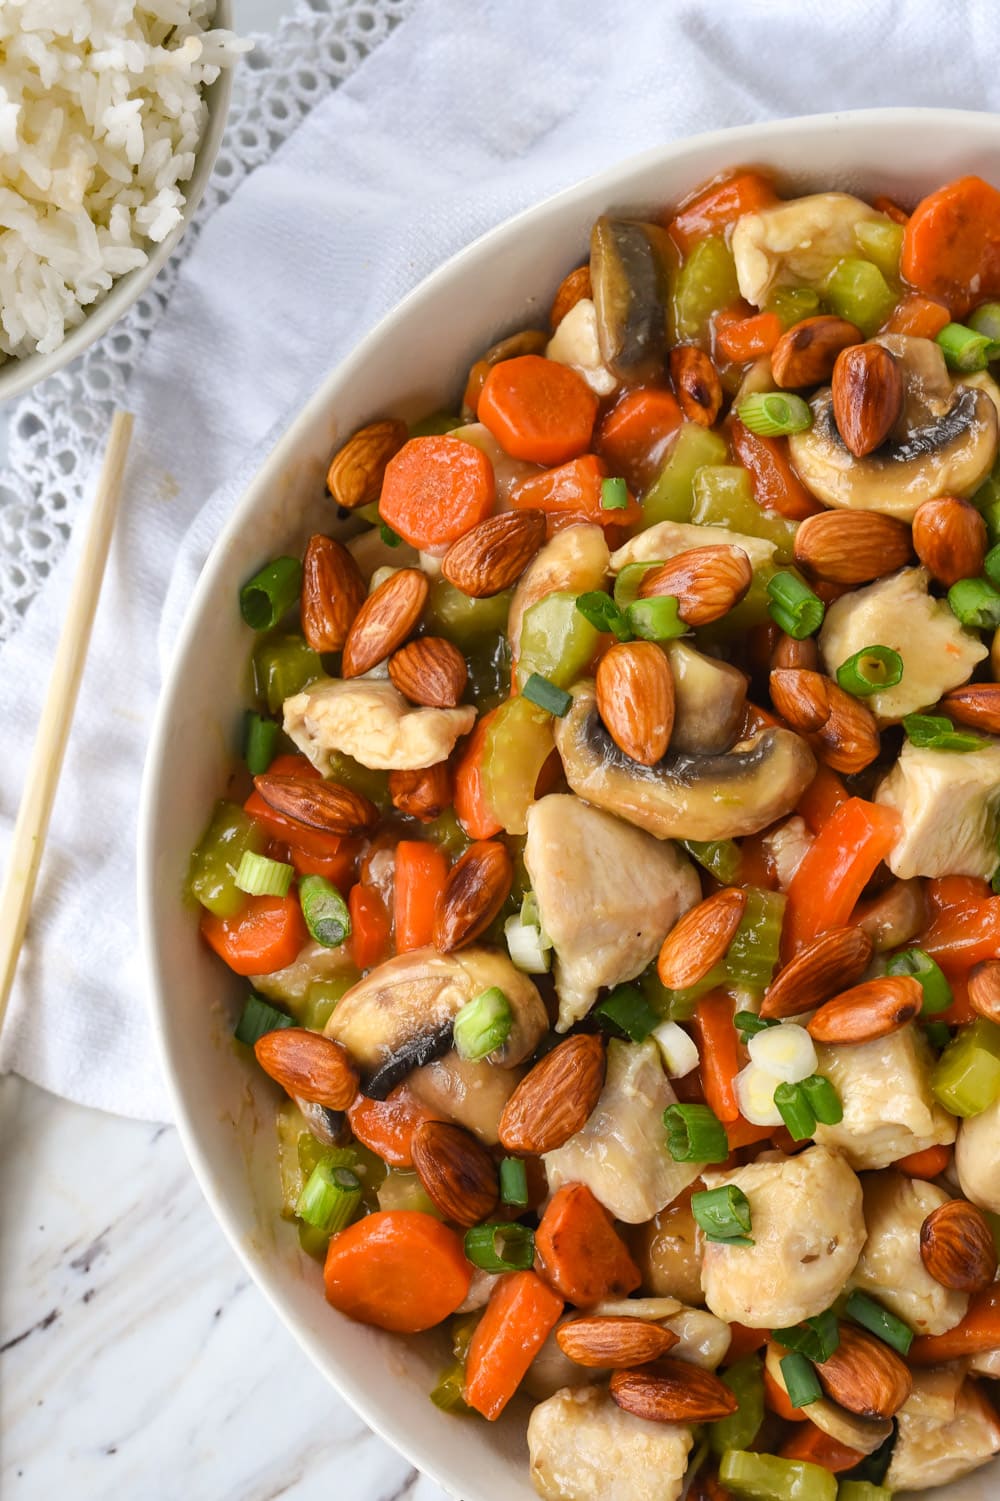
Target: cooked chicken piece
607,893
987,1364
945,1429
786,847
949,807
583,1447
575,343
884,1087
371,553
797,243
621,1153
897,611
372,722
890,1267
977,1158
808,1230
702,1339
507,471
668,538
575,560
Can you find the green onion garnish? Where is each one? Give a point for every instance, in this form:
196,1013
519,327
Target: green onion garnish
614,494
270,594
991,566
935,732
879,1321
449,1389
330,1197
976,603
656,619
325,911
483,1025
723,1214
870,670
500,1247
749,1023
258,875
823,1100
389,537
795,1111
965,349
773,414
793,606
801,1381
695,1134
600,611
628,1012
257,1018
986,320
937,991
546,695
816,1338
720,857
260,736
513,1182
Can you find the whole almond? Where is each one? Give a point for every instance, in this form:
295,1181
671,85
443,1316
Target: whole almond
867,396
572,289
841,731
949,538
806,353
333,591
864,1375
309,1065
608,1343
698,942
852,547
826,966
429,671
477,886
495,553
673,1391
316,804
957,1247
873,1009
635,699
787,652
355,475
457,1171
706,582
976,705
553,1101
984,989
385,620
423,794
696,381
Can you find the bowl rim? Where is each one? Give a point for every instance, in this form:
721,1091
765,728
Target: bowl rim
374,1412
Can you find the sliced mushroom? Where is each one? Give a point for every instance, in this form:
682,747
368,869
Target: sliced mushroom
468,1094
371,721
576,560
798,242
684,796
862,1434
944,443
313,964
708,701
629,272
328,1126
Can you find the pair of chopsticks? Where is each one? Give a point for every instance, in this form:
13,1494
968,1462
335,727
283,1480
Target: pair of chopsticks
47,754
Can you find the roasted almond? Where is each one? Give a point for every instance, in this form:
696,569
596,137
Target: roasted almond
673,1391
841,731
825,967
610,1343
873,1009
976,705
355,475
957,1247
317,804
495,553
635,699
477,886
696,381
806,353
555,1099
572,289
949,538
700,939
787,652
706,582
333,591
423,794
852,547
867,396
429,671
864,1375
387,617
457,1171
984,989
309,1065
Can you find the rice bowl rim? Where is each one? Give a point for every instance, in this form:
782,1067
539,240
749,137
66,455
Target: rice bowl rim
18,375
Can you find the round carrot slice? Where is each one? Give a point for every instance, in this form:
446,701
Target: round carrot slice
538,410
399,1269
951,245
435,490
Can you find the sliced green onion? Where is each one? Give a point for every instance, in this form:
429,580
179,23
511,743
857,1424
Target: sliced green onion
529,946
870,670
720,857
614,494
325,911
749,1023
801,1381
695,1134
270,594
986,320
991,566
628,1011
389,537
933,983
448,1393
723,1214
259,875
766,1477
774,414
823,1100
795,1111
600,611
546,695
260,736
513,1182
330,1197
964,348
976,603
879,1321
483,1025
966,1078
938,1034
656,619
257,1018
500,1247
629,580
816,1338
793,606
935,732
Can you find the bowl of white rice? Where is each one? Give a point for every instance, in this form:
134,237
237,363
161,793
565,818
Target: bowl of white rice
111,116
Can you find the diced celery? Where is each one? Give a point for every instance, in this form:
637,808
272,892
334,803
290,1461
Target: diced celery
862,1490
857,291
518,743
705,283
966,1077
556,641
403,1190
488,662
212,871
723,497
745,1380
291,1126
321,998
765,1477
753,953
792,304
670,496
283,665
435,424
313,1240
447,833
882,244
447,1393
463,1327
461,619
374,785
720,857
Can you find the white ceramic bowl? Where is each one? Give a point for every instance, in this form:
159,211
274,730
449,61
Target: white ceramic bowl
18,376
223,1105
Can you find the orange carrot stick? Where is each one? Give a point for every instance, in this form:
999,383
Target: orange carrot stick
538,410
951,244
420,875
436,489
920,316
579,1251
573,489
472,809
741,337
815,1447
370,928
718,206
960,937
397,1269
718,1045
775,484
517,1321
267,935
822,798
836,868
777,1400
743,1341
956,891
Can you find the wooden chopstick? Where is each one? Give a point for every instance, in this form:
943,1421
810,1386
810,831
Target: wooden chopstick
57,714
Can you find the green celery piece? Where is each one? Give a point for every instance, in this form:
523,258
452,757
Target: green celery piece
670,497
705,283
435,424
374,785
792,304
723,497
447,1392
313,1241
764,1477
857,290
966,1078
517,745
447,833
282,666
212,870
291,1126
745,1380
753,953
882,244
404,1190
321,998
556,641
720,857
463,621
862,1490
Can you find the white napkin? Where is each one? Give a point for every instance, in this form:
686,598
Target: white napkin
470,111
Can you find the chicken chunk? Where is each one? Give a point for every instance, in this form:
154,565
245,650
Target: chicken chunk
371,721
575,560
808,1232
977,1158
607,893
621,1153
949,807
702,1339
583,1447
797,243
891,1267
897,611
945,1429
575,343
507,471
884,1087
668,538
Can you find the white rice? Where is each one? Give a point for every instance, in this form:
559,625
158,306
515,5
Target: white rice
101,115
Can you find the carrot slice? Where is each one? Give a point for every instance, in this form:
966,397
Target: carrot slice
472,807
420,875
960,1011
930,1163
775,485
518,1318
956,891
397,1269
743,1341
267,935
370,930
386,1126
822,798
740,1133
579,1250
436,489
741,337
339,868
951,244
572,491
635,434
920,316
978,1332
836,868
538,410
720,205
718,1045
960,937
815,1447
